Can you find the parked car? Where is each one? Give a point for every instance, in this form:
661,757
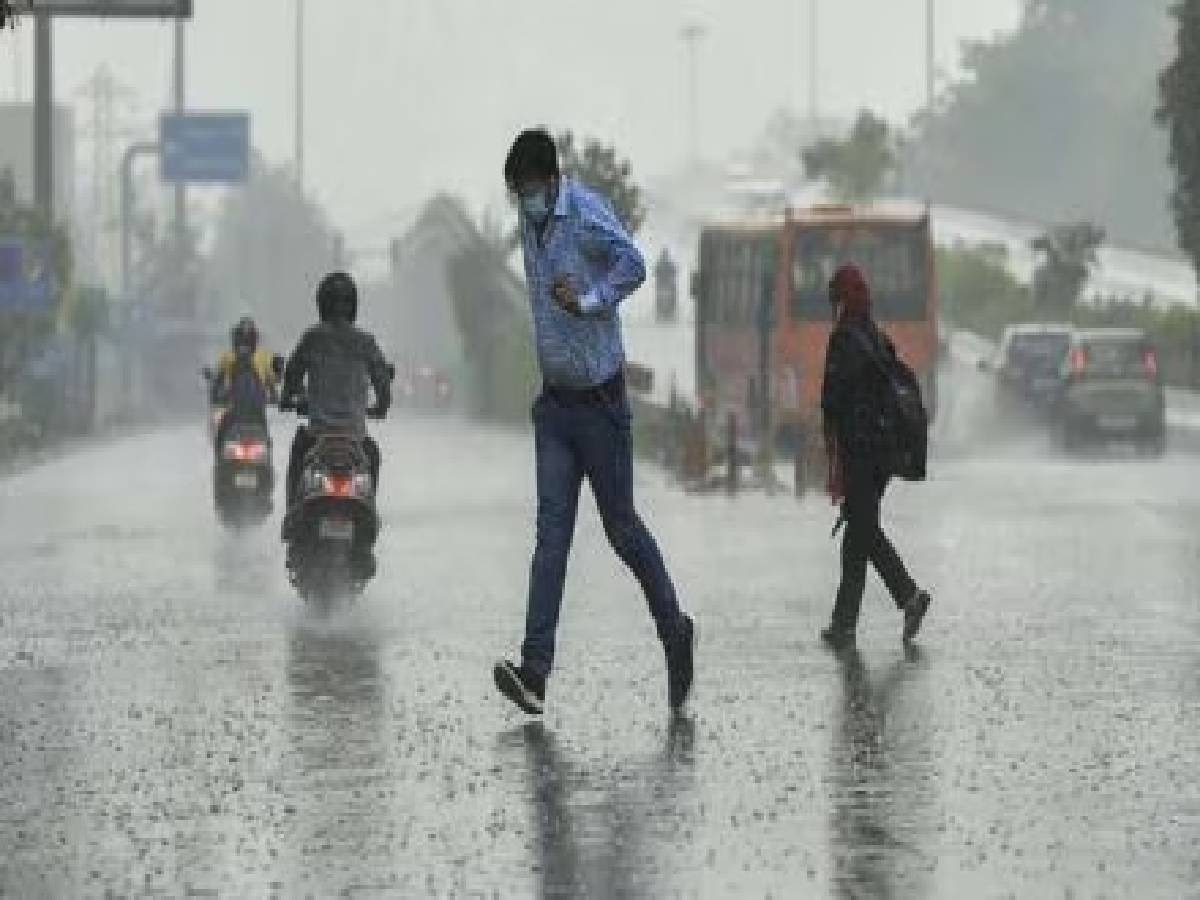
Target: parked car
1028,361
1111,387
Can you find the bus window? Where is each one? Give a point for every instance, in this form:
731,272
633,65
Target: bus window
737,271
892,257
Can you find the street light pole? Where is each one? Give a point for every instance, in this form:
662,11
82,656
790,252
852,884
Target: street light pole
930,55
180,210
692,33
300,93
814,73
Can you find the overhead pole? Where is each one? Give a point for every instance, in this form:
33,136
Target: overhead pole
43,65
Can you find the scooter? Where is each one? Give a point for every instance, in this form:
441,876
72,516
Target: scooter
330,533
243,473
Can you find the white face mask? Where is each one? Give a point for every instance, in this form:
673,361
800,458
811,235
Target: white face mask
536,205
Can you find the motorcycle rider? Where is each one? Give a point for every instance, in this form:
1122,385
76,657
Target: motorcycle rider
332,366
246,379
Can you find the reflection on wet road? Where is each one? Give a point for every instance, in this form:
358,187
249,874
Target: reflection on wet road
171,720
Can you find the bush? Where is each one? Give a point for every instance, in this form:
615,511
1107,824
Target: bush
979,294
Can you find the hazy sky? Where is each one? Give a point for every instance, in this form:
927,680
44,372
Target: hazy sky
411,96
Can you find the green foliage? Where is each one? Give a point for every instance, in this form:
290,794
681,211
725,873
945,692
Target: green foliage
598,166
979,294
1179,111
24,222
19,334
1068,255
272,246
1057,116
90,312
496,338
859,167
977,291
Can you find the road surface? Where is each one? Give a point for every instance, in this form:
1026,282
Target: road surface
172,722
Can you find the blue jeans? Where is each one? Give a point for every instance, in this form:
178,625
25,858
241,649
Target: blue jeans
576,440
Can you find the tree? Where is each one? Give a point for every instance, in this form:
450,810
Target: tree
1179,112
21,333
859,167
272,246
1057,115
978,290
1068,255
598,166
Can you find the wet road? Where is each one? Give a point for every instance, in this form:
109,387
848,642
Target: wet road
171,722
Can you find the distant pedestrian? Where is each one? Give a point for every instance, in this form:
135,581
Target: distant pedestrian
859,439
580,263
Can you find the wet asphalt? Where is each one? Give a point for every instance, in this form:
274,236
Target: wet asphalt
173,722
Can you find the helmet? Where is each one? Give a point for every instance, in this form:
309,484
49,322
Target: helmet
337,298
244,335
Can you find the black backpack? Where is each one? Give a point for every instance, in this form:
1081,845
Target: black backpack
903,411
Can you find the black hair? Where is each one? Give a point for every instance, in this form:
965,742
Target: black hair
533,157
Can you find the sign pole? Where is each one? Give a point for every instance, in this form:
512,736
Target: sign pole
43,112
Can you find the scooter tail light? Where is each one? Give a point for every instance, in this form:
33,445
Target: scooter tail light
1079,361
1150,364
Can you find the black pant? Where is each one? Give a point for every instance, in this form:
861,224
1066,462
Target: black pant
864,541
304,441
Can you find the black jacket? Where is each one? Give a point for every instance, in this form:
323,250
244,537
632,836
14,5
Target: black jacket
853,393
339,363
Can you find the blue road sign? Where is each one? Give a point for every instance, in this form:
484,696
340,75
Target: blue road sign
205,147
26,283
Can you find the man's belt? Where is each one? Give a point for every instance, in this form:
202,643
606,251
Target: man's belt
611,391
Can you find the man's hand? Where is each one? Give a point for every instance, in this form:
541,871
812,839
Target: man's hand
566,296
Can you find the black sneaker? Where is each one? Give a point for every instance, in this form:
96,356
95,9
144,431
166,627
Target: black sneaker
521,685
836,638
287,529
914,614
680,649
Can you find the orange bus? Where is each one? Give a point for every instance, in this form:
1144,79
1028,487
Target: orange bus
764,316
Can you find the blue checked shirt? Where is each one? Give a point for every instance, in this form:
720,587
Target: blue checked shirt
584,241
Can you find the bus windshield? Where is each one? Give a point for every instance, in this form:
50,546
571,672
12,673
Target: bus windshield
893,257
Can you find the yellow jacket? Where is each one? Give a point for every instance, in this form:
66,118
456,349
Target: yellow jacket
264,367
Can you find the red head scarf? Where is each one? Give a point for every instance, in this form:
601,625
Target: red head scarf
849,287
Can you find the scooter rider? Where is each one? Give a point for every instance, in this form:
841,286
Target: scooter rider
331,367
246,379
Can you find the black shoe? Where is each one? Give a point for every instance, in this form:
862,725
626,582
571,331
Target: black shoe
522,686
914,614
680,649
288,528
837,638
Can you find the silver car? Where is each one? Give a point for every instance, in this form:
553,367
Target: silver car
1028,361
1111,388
